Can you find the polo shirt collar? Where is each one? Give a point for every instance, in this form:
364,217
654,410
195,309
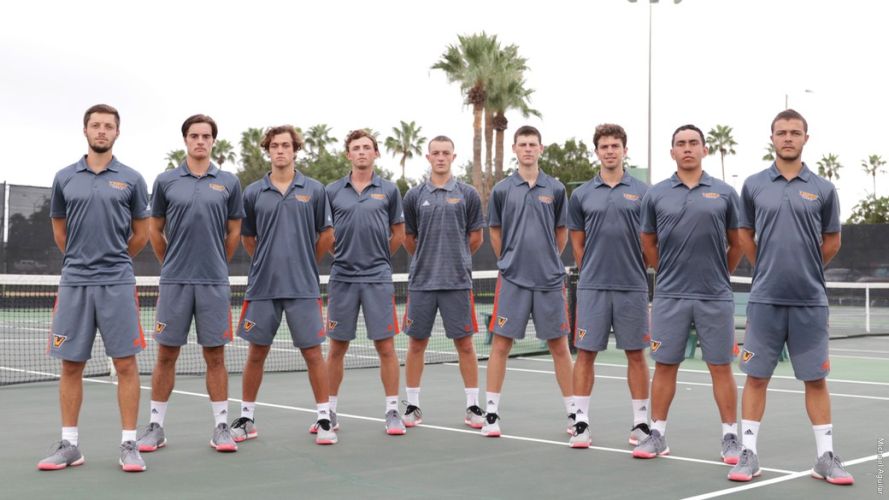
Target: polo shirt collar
542,179
449,186
113,165
213,171
375,180
625,179
299,180
706,180
803,175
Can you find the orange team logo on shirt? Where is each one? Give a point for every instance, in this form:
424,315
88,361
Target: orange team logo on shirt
331,325
454,201
581,333
808,196
710,195
378,196
303,197
58,340
655,345
747,355
545,199
501,320
631,197
217,187
159,327
118,185
248,325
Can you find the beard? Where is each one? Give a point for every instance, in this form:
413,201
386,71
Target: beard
788,158
96,148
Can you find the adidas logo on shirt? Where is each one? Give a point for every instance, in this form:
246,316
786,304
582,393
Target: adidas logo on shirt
425,203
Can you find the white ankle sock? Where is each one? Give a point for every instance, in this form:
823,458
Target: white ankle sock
750,433
391,403
158,412
823,438
70,434
640,411
247,409
660,426
323,411
493,405
471,396
582,408
413,395
569,405
220,411
332,401
729,429
126,435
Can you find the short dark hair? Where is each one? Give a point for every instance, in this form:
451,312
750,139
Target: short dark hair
609,130
688,127
358,134
101,108
282,129
527,130
193,119
440,138
790,114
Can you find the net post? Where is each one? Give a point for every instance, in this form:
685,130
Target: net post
867,308
573,278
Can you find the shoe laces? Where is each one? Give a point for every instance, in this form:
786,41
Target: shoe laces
475,410
835,460
745,457
642,427
128,446
241,423
59,445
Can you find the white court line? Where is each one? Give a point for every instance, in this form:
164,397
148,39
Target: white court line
859,350
760,484
383,420
702,384
846,356
737,374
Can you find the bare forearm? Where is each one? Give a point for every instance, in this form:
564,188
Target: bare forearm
561,238
249,243
830,246
410,243
139,238
649,250
475,240
496,242
397,238
60,233
324,244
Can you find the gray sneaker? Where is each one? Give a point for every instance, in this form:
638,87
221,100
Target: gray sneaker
581,438
394,424
475,417
638,433
130,459
151,438
731,449
324,433
747,467
222,438
654,445
63,454
572,419
242,429
412,416
830,468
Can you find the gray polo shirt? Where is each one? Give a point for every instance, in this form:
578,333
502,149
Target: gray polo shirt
441,218
528,217
691,227
362,227
99,210
789,218
612,253
286,228
197,211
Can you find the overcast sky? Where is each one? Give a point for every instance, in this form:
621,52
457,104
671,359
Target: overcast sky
356,64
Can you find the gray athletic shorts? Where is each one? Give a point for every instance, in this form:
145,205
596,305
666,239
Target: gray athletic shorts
600,310
260,320
377,301
803,328
209,305
671,322
513,305
457,313
79,310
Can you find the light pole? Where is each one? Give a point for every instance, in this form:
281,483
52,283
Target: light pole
787,97
650,3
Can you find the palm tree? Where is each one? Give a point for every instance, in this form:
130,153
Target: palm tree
872,166
222,152
829,166
175,158
469,63
253,162
720,139
405,141
770,153
318,138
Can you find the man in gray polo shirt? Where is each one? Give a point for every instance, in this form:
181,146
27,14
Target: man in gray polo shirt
99,210
443,221
603,216
196,212
527,215
287,230
368,226
790,229
690,236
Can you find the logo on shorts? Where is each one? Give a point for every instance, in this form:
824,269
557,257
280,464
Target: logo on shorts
454,201
545,199
710,195
467,328
331,325
248,325
303,197
408,322
378,196
826,365
581,333
58,340
655,345
646,338
159,327
217,187
747,355
118,185
808,196
631,197
501,320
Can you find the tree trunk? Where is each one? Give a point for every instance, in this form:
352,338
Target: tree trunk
722,162
489,149
500,132
477,111
403,159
